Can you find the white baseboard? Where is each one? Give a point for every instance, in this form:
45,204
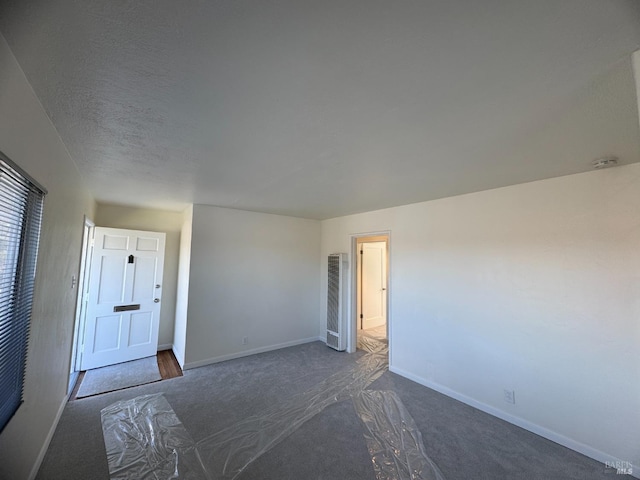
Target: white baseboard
166,346
246,353
47,441
520,422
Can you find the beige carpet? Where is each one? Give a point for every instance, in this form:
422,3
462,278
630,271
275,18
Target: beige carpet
119,376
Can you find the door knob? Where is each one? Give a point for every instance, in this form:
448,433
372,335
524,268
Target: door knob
158,285
156,300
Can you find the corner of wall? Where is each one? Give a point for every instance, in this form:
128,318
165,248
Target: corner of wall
182,293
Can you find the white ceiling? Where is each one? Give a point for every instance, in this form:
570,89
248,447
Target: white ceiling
325,108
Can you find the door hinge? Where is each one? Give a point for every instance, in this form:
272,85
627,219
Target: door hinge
361,316
361,252
92,243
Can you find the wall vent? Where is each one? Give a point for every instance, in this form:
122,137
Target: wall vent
336,301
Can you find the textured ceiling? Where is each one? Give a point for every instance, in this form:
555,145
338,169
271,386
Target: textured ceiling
321,109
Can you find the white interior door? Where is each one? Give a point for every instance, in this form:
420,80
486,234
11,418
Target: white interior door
374,284
123,308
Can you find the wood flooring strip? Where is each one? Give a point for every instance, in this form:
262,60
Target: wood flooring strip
168,365
74,393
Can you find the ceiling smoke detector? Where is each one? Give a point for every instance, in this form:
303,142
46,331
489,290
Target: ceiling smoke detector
605,162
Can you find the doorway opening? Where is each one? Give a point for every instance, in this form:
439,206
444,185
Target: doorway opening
371,292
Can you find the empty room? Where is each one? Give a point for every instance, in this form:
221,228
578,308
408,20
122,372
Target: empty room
329,240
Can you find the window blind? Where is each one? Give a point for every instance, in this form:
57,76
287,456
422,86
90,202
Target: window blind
21,201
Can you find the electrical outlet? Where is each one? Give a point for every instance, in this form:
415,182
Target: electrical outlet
510,396
245,340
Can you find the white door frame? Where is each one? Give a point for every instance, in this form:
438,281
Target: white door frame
352,332
78,329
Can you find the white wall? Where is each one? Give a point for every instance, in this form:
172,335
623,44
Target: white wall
117,216
254,275
30,140
534,288
182,301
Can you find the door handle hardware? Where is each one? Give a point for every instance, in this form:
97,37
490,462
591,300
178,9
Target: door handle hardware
126,308
156,300
158,285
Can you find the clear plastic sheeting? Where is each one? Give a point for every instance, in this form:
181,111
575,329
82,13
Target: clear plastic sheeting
372,345
229,452
393,439
145,440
